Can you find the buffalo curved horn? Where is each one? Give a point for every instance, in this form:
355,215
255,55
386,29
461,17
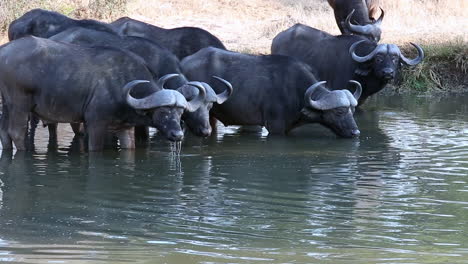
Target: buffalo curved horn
222,97
198,101
132,101
348,18
356,28
416,60
164,79
308,94
380,19
369,29
358,91
365,58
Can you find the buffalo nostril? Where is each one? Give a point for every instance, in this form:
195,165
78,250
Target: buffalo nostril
205,132
177,135
356,133
388,73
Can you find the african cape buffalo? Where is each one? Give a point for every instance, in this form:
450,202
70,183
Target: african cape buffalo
182,41
331,56
160,61
108,89
277,92
43,23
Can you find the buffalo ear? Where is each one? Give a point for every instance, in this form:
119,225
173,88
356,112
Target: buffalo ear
141,112
309,114
188,91
362,70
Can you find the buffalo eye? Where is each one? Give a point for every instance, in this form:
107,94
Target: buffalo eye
378,59
164,114
143,113
342,111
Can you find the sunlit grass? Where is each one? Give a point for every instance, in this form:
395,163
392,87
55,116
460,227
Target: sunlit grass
445,68
250,25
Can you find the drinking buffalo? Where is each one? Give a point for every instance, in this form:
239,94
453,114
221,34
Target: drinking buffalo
337,60
199,121
108,89
277,92
181,41
160,61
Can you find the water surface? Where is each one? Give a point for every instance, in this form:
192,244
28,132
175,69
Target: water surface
398,194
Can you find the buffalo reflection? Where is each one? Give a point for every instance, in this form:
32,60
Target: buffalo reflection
1,192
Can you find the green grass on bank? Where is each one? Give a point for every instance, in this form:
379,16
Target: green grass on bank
445,68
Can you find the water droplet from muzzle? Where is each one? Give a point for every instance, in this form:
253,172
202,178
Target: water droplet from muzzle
176,148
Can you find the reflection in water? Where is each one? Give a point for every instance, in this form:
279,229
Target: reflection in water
1,192
398,194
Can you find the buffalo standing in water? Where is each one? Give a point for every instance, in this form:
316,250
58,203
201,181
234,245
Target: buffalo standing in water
361,13
183,41
277,92
108,89
160,61
338,59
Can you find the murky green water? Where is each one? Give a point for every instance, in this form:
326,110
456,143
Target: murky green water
398,194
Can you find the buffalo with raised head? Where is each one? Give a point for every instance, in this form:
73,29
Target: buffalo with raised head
160,61
182,41
43,23
336,60
106,88
358,17
277,92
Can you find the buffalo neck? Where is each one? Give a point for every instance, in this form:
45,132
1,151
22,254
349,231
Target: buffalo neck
370,85
131,117
361,14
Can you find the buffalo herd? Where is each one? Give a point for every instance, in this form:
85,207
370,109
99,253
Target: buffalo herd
118,79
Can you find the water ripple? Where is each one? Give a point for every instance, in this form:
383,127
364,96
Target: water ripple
398,194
